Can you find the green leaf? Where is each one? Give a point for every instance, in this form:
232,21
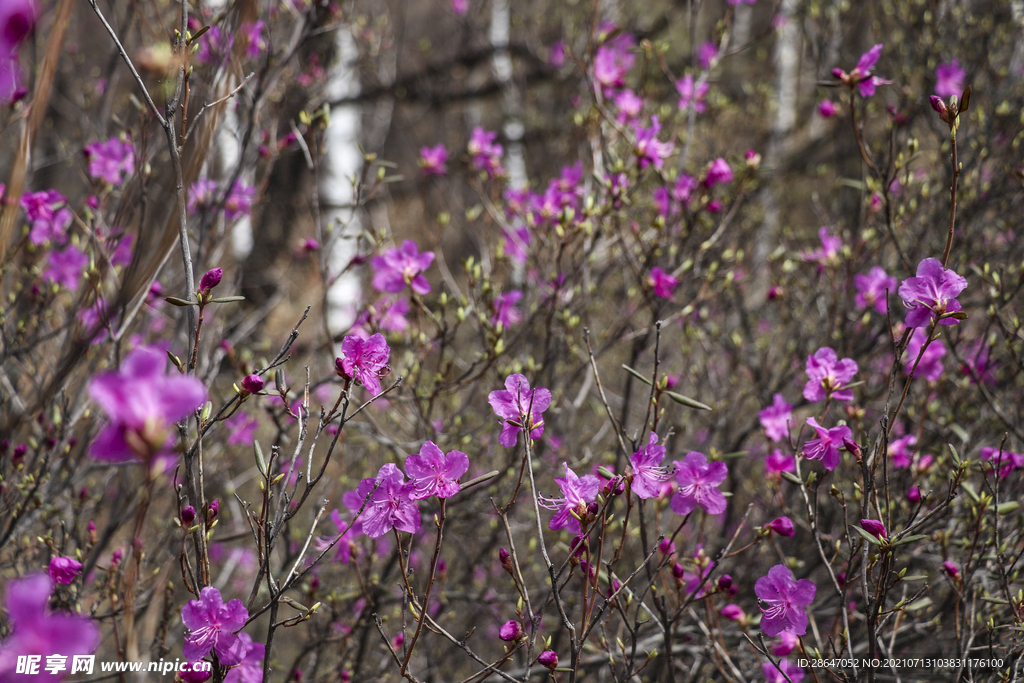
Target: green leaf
792,478
636,374
226,299
970,491
175,301
1007,508
686,401
866,536
260,462
200,32
910,539
919,604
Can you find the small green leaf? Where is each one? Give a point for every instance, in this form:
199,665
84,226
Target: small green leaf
866,536
965,100
260,461
636,374
792,478
175,301
686,401
226,299
200,32
970,491
919,604
910,539
1007,508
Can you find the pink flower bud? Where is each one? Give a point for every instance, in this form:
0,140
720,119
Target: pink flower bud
505,559
724,582
252,384
733,612
212,508
549,659
951,569
827,109
938,105
783,526
678,571
63,569
115,558
509,630
666,546
914,495
188,515
852,447
211,280
874,527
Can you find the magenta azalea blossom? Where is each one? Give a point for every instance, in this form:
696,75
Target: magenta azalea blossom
36,632
485,153
66,267
930,366
201,194
365,360
509,630
241,429
826,446
874,527
505,311
250,669
63,569
899,451
692,94
777,461
827,375
706,53
432,473
872,288
612,62
400,267
949,79
698,485
783,526
110,161
828,254
142,403
17,17
49,215
931,294
347,531
391,506
576,493
239,201
518,403
1007,460
785,600
663,284
862,75
629,105
827,109
214,625
433,160
648,474
779,674
775,418
649,149
718,172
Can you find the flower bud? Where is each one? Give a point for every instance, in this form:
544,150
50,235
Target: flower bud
733,612
677,572
951,569
92,532
852,448
211,280
666,546
549,659
874,527
212,508
252,384
188,515
505,559
509,630
724,582
115,559
783,526
914,495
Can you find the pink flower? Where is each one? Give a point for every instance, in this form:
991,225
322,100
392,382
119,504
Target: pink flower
874,527
718,172
663,284
949,79
548,659
698,485
827,375
241,429
629,105
733,612
460,7
432,473
576,493
391,506
775,418
64,569
1008,460
930,366
828,254
785,599
255,43
17,17
239,201
213,625
142,403
65,267
365,360
49,215
485,153
706,53
931,294
36,632
505,311
951,569
612,62
862,76
433,160
509,630
827,109
515,243
783,526
518,404
826,446
250,669
777,461
210,280
649,150
201,194
110,161
788,642
872,288
400,267
899,451
691,94
648,474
